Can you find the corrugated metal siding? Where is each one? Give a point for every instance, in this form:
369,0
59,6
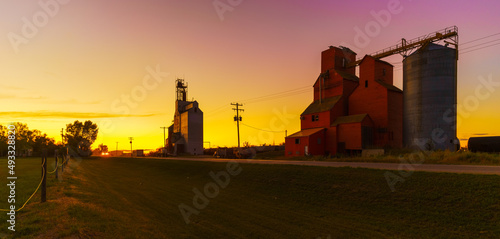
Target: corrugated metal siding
429,83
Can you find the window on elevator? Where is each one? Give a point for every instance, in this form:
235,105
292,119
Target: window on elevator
314,118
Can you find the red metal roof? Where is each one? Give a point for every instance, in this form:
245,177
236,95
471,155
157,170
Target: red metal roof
388,86
305,132
325,105
349,119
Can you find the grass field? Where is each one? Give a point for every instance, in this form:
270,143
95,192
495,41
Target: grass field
140,198
395,156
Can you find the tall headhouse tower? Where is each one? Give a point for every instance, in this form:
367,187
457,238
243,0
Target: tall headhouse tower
185,135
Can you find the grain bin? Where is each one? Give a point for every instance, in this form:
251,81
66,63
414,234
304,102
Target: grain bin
430,98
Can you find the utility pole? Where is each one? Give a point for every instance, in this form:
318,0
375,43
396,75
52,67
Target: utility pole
237,118
163,136
62,136
163,150
131,152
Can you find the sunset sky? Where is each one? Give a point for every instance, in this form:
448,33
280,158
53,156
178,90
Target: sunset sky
79,60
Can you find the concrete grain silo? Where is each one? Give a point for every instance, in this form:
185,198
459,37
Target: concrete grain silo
430,98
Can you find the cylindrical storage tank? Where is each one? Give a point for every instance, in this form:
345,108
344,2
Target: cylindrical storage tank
430,98
484,144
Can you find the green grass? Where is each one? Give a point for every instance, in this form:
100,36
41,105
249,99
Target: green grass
28,171
139,198
434,157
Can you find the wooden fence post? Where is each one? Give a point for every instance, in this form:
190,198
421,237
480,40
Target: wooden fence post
64,161
44,174
57,164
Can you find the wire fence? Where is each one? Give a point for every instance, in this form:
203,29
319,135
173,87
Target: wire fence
65,159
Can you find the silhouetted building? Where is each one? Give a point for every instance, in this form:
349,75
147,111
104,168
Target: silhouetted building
348,113
185,135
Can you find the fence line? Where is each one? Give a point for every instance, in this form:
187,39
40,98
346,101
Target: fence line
65,159
36,190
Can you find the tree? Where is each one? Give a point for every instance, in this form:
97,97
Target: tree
24,139
101,149
28,142
80,136
41,141
3,140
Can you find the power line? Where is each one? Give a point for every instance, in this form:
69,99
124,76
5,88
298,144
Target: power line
276,94
279,96
481,48
271,131
480,44
392,63
217,109
480,38
273,96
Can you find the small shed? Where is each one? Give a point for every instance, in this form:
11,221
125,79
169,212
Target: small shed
306,142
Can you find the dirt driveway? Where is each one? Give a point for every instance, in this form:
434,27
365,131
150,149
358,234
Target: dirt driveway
470,169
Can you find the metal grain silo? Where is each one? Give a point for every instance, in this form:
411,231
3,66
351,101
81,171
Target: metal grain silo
430,98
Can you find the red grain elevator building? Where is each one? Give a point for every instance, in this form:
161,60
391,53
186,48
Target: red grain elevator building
350,113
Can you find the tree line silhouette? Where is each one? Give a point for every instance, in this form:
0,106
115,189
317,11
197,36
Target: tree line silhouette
78,137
